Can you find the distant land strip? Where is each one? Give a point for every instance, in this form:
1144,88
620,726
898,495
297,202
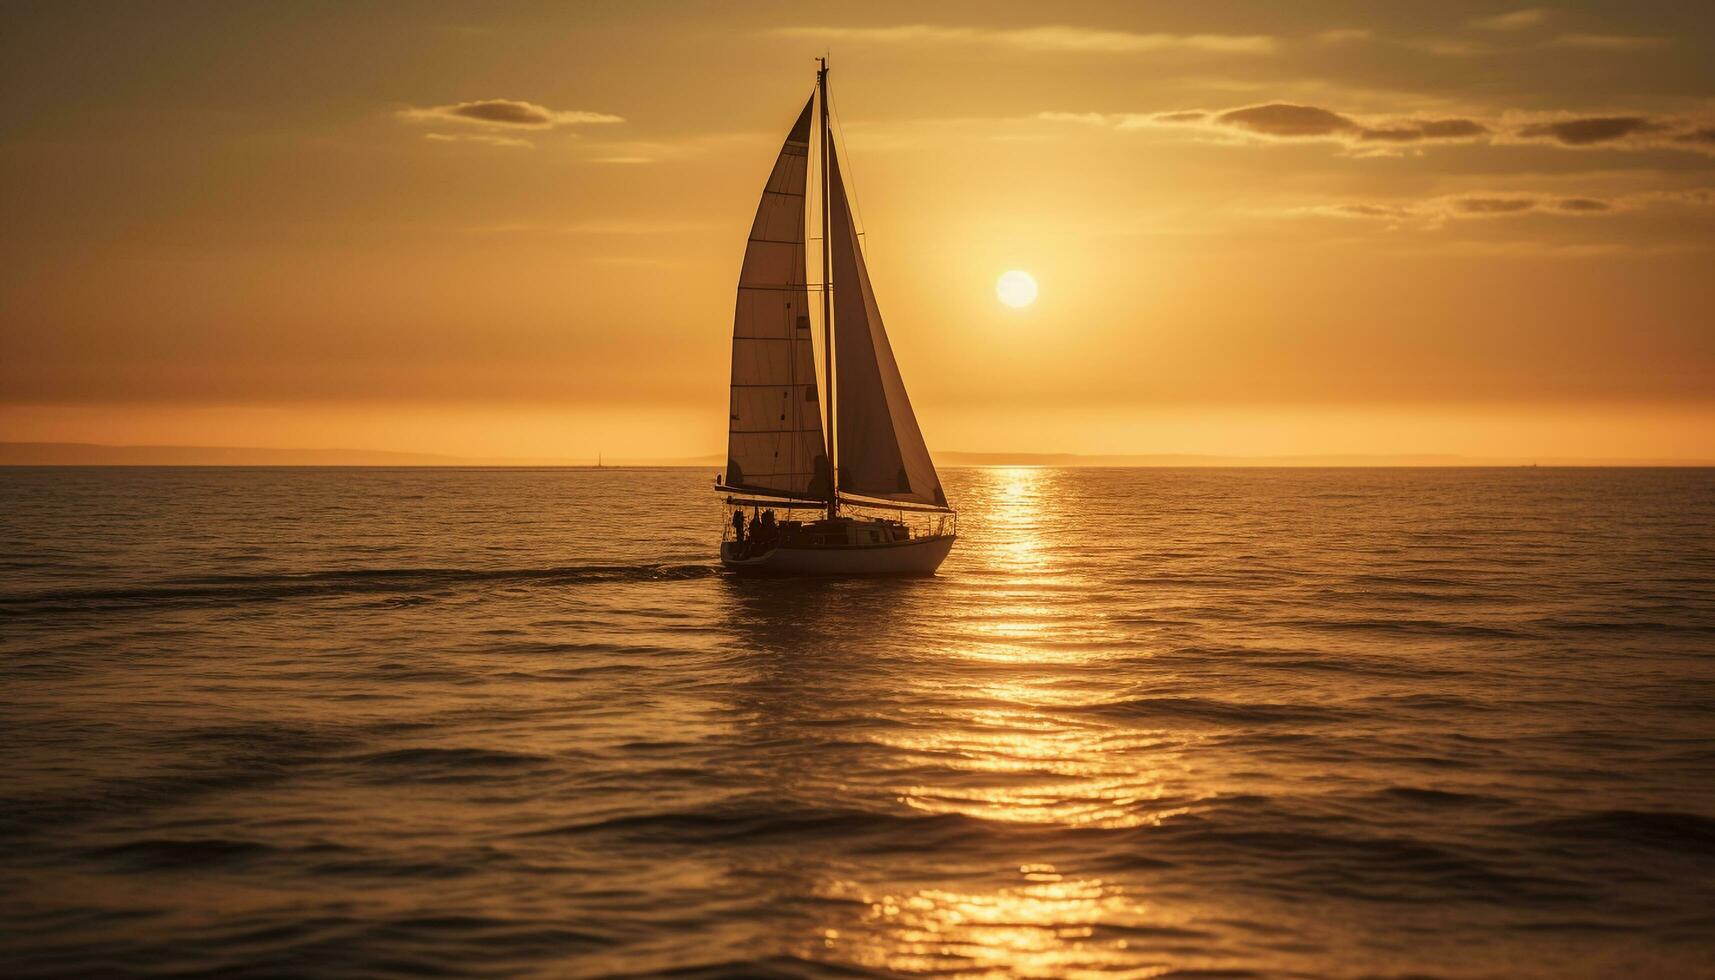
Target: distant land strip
92,454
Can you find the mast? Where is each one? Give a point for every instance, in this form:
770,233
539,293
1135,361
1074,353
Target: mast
827,291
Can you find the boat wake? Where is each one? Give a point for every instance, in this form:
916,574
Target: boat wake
224,589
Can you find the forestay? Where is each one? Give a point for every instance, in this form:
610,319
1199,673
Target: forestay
881,449
774,434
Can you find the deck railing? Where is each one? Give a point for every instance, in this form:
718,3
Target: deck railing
920,524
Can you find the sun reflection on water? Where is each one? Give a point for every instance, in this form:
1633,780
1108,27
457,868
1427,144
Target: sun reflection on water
1012,514
1012,749
1018,767
1003,725
1045,924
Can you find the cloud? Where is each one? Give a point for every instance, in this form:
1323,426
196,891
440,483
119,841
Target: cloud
1392,135
1421,215
1345,35
488,139
1695,196
1389,211
1051,38
1286,120
500,111
1448,221
1493,205
1371,135
1518,20
1289,121
1482,207
1086,118
1434,212
505,114
1591,130
1631,132
1447,47
1426,130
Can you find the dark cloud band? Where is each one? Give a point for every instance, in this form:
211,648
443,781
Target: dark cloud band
1284,120
506,114
1290,121
1590,130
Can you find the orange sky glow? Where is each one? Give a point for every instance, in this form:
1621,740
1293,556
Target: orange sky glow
514,229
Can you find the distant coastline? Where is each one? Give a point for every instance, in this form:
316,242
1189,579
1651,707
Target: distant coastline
94,454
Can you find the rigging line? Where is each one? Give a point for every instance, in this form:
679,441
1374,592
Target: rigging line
849,176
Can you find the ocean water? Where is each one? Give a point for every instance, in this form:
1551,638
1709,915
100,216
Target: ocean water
1209,723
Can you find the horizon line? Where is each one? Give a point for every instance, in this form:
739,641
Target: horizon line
72,454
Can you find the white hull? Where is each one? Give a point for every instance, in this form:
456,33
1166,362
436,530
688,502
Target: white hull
918,556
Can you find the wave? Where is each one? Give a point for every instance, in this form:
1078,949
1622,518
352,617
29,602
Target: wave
1211,709
430,764
759,822
1366,663
1396,869
1409,627
781,967
235,758
1642,626
1685,833
1436,798
200,853
1426,702
167,853
269,943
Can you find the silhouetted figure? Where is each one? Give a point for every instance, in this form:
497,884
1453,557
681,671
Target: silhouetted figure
770,530
738,526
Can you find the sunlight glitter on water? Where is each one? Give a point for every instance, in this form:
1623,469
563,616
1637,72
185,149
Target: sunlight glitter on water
1044,925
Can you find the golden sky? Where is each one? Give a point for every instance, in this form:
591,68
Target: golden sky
515,229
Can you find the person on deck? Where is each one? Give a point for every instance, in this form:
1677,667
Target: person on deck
738,526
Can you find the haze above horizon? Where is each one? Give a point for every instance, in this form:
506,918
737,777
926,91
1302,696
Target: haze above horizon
1329,229
89,454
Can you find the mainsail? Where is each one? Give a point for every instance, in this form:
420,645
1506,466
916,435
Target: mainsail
881,450
774,435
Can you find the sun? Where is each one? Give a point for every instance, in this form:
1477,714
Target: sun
1016,288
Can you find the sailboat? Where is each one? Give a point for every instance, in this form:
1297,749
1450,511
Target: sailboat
842,462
